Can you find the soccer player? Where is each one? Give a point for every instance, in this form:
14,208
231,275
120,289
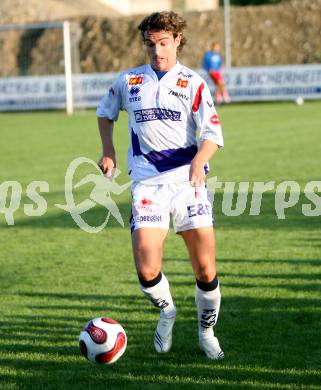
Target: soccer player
166,104
212,63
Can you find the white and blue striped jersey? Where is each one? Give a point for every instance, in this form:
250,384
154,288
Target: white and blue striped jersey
163,118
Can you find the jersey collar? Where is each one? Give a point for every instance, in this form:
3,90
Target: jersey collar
173,70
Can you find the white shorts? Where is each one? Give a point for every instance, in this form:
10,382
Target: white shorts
152,206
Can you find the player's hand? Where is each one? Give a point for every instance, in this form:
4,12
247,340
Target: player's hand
107,165
197,176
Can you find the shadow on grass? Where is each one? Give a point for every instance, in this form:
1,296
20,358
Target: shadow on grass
309,262
267,219
297,282
94,217
267,341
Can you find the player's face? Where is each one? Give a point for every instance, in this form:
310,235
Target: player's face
216,47
161,48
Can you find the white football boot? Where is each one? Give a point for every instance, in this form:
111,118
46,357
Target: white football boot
163,333
210,345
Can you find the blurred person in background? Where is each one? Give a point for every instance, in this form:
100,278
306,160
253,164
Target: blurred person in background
213,64
167,103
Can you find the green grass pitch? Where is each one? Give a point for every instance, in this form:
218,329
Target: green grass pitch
54,277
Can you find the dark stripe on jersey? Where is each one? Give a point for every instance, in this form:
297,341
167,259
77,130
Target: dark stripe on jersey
164,160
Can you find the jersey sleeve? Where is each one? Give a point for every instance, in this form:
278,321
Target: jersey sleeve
111,103
205,116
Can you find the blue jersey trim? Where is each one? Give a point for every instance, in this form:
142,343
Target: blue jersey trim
160,73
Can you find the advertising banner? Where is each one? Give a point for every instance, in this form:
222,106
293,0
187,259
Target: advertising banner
244,84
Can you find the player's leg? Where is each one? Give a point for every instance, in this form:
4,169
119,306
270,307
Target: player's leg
192,218
200,243
225,94
218,97
201,246
149,224
222,88
148,253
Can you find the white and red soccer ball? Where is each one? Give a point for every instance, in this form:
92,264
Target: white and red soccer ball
103,340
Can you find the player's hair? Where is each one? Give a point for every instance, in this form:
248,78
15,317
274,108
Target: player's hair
167,21
215,43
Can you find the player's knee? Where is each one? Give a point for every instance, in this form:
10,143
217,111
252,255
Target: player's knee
147,273
206,273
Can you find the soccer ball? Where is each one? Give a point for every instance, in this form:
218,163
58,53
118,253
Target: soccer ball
103,340
299,101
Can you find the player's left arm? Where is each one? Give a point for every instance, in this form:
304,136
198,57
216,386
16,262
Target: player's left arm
206,151
211,138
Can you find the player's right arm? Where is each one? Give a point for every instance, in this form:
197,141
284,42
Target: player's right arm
107,163
107,113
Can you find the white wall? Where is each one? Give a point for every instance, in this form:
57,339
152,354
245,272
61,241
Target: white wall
143,6
201,5
132,7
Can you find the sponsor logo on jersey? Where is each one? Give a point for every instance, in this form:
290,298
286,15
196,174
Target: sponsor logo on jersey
135,99
178,94
210,104
186,75
137,80
148,218
136,73
215,119
153,114
134,91
145,204
182,83
198,209
111,91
